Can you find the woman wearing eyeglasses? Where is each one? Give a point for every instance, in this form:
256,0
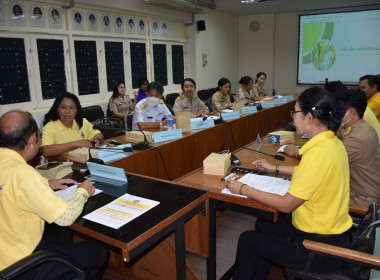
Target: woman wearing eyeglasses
189,100
120,103
317,199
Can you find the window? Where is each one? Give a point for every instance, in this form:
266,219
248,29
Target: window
114,63
138,62
160,64
87,67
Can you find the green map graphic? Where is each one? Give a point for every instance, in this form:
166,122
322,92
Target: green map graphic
318,49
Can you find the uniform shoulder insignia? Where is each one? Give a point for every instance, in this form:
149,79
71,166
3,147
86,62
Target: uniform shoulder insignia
347,131
218,93
161,101
143,106
182,96
195,95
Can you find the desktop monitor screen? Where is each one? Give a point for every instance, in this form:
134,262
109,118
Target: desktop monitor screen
338,46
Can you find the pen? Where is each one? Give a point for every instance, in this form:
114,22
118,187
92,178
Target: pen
228,177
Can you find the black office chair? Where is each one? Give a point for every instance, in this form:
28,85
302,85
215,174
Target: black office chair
37,259
170,99
93,113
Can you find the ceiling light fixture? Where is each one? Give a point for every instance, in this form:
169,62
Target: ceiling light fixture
250,1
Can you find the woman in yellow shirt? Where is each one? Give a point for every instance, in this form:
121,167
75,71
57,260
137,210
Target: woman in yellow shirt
66,128
317,198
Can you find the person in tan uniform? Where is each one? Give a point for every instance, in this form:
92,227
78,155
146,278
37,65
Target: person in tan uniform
120,103
245,91
189,101
258,89
362,146
221,99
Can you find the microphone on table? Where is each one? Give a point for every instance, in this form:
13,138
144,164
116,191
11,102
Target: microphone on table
220,120
278,157
259,106
142,145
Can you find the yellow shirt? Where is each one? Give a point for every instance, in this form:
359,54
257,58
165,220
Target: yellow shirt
26,202
322,179
55,132
374,104
370,118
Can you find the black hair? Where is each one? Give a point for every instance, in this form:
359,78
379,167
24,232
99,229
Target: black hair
142,81
17,137
115,92
335,86
52,115
188,80
222,82
258,76
245,80
318,102
157,87
343,100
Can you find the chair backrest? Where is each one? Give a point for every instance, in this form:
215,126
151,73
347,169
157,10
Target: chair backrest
92,113
170,98
203,95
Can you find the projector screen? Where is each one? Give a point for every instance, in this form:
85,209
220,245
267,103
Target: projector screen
338,46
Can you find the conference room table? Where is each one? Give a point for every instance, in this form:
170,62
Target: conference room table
177,204
214,185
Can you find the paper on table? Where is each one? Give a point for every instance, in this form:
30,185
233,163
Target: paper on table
264,183
227,111
68,193
121,211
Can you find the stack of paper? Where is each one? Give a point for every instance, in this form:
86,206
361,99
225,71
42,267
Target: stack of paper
268,184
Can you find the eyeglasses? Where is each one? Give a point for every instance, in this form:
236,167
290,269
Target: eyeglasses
187,87
294,112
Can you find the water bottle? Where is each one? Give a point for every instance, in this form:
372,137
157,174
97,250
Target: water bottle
170,122
274,93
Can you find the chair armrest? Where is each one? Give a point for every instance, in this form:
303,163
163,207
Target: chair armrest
358,210
36,259
343,253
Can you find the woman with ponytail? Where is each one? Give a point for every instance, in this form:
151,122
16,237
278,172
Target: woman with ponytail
317,199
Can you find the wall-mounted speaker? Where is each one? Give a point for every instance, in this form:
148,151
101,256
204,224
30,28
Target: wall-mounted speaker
201,24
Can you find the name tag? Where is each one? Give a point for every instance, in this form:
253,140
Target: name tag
231,116
167,135
267,104
289,98
280,101
200,124
249,110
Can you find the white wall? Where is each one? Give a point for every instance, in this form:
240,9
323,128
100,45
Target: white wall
220,42
273,49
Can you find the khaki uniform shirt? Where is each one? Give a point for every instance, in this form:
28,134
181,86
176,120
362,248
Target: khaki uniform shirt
242,93
120,104
363,150
183,103
259,91
219,101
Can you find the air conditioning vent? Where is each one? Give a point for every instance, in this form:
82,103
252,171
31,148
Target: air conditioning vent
187,6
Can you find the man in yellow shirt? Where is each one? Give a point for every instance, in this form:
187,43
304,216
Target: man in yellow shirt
27,201
370,84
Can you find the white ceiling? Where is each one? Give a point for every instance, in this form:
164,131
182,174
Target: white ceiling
282,6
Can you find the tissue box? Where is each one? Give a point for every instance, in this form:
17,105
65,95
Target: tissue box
57,172
81,155
137,136
284,137
217,164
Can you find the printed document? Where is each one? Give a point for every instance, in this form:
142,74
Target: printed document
121,211
268,184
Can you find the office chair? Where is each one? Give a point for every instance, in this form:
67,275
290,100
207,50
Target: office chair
170,99
35,260
93,113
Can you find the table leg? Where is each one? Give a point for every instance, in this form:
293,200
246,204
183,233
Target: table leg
211,260
180,251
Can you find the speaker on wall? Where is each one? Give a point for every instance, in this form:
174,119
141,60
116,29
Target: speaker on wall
201,24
